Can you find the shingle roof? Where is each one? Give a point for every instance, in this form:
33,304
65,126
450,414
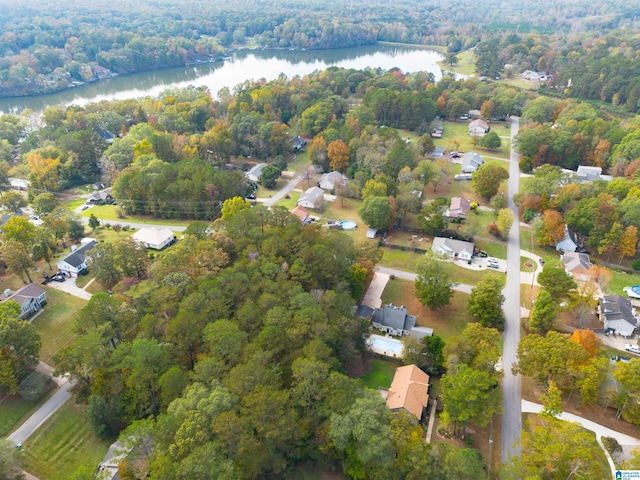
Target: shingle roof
77,257
576,261
394,317
409,390
152,235
26,293
300,212
616,308
311,195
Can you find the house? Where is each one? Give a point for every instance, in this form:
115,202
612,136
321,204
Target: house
329,180
409,391
76,261
31,298
312,198
154,238
107,136
459,208
298,143
255,172
364,311
568,243
438,152
590,174
108,469
475,113
302,214
471,162
393,320
576,264
618,315
101,73
453,248
18,184
478,127
100,198
4,218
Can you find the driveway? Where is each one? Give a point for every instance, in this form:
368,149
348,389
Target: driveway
372,297
69,286
291,184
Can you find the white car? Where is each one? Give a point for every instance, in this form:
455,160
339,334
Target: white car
493,262
630,347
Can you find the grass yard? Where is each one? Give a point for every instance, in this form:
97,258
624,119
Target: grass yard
620,280
108,213
380,374
525,244
455,136
54,324
74,203
528,294
492,248
465,65
399,259
290,203
12,282
64,443
14,410
446,322
335,211
263,192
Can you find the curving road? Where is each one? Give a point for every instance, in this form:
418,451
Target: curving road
511,404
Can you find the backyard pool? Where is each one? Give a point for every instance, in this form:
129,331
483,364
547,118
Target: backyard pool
348,225
385,346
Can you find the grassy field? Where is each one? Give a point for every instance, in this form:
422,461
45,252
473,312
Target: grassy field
446,322
75,203
525,244
54,324
380,374
12,282
465,65
621,280
107,213
493,249
263,192
399,259
289,203
64,443
455,137
14,410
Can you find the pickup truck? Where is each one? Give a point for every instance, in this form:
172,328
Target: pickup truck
630,347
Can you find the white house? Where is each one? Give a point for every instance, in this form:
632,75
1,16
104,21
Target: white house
617,314
478,127
31,298
453,248
155,238
312,198
18,183
471,161
255,172
568,243
76,261
329,180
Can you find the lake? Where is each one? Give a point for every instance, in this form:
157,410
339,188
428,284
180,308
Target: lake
239,67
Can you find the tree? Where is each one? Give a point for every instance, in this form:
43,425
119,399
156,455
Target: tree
485,302
19,346
433,285
44,203
504,222
94,223
373,188
269,176
486,109
544,313
12,201
628,243
425,145
491,141
555,280
338,154
612,240
550,229
376,212
469,396
477,346
231,206
552,401
588,340
198,229
628,377
20,230
105,267
432,219
486,181
9,460
17,258
318,152
425,352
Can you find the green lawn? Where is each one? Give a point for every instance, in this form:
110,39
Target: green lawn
54,324
64,443
12,282
14,410
526,242
465,65
399,259
263,192
75,203
108,213
620,280
455,137
290,203
446,322
380,374
493,249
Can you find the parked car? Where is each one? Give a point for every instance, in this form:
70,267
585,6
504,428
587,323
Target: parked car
630,347
84,207
463,176
493,263
454,154
542,262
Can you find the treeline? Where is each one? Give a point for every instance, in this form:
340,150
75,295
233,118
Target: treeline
48,48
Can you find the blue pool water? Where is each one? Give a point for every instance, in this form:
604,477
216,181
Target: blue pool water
348,224
387,346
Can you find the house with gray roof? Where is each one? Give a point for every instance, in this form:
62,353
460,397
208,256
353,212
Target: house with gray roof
471,162
329,180
312,198
393,320
75,262
576,264
31,298
100,198
568,243
255,172
453,248
618,315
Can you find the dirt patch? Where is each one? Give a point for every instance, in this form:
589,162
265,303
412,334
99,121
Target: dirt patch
359,366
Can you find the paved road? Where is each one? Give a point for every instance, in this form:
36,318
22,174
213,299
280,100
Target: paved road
511,405
58,399
291,184
460,287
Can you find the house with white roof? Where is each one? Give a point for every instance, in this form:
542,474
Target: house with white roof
577,264
568,243
255,172
312,198
329,180
453,248
471,162
154,238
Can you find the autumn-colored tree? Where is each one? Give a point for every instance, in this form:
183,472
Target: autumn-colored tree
486,110
549,230
318,151
44,174
338,154
504,222
628,242
587,339
611,241
231,206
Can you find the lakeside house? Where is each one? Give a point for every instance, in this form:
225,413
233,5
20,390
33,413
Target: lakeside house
31,298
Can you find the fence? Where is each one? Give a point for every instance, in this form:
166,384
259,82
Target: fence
402,247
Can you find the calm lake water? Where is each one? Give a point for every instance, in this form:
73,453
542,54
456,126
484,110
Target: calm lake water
241,66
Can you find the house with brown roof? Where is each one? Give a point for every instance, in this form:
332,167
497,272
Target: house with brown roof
478,127
31,298
459,208
301,213
409,391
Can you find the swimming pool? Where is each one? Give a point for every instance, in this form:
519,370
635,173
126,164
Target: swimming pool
348,225
385,346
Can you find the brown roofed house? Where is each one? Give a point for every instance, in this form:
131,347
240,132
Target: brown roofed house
409,391
459,208
301,213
